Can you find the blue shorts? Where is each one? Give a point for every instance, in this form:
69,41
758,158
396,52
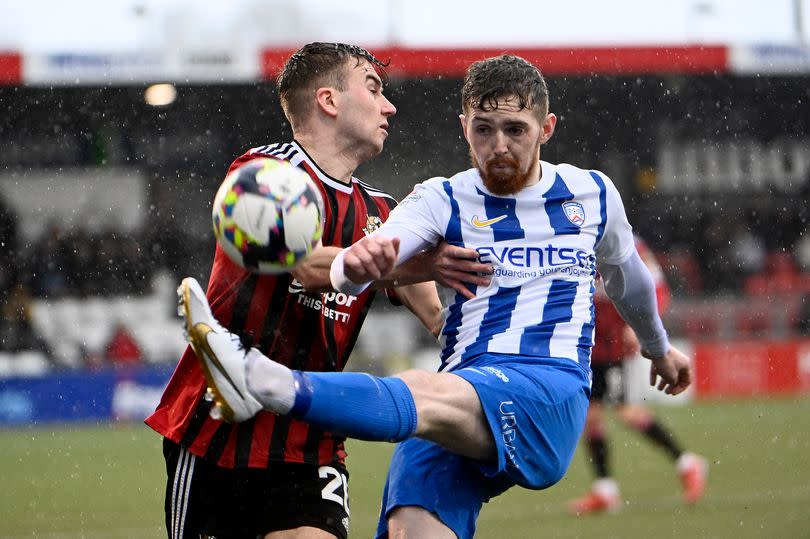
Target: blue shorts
536,410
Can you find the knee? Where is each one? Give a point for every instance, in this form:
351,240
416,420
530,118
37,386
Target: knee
427,397
430,393
412,522
635,417
594,423
416,380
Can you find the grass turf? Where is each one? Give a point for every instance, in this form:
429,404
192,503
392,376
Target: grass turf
97,481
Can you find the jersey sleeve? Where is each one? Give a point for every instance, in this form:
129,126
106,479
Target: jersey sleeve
246,158
418,220
631,287
617,243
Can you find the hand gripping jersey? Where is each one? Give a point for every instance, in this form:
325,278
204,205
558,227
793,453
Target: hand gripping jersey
544,244
303,330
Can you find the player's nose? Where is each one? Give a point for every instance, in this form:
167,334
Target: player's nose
388,108
499,141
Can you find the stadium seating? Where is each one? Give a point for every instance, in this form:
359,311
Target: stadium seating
77,330
780,276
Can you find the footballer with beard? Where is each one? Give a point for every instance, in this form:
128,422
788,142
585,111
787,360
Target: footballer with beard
508,403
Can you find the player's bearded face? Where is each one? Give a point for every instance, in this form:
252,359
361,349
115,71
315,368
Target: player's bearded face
502,174
504,142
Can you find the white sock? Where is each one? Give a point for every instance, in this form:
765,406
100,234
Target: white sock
686,461
606,487
271,383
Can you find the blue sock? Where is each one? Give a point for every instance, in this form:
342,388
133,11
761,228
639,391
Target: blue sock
355,405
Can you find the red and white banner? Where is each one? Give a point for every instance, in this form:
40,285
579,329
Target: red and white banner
445,62
255,64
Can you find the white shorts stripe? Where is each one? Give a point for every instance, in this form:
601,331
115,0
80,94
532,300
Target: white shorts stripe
177,469
180,492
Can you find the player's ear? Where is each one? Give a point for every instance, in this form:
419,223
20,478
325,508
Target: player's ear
463,120
547,129
325,99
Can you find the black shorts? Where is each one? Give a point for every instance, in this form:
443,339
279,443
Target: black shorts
608,383
203,499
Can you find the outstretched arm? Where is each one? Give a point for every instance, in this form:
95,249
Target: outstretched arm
632,289
446,264
374,258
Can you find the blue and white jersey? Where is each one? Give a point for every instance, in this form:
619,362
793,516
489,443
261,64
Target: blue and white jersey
543,243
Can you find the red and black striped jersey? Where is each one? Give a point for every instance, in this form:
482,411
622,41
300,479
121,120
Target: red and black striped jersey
303,330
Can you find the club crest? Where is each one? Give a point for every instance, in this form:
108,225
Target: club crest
574,212
372,223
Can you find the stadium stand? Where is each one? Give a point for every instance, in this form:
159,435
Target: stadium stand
84,280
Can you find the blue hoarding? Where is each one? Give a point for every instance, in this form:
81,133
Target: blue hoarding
115,394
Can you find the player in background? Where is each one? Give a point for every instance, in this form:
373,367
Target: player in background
508,404
614,341
275,476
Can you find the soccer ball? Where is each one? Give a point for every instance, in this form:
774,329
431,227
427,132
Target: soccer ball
267,215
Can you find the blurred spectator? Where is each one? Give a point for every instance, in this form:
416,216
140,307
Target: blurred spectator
17,333
134,268
682,270
109,262
83,271
165,244
802,250
781,225
779,276
718,272
8,230
50,265
123,349
8,249
746,253
804,316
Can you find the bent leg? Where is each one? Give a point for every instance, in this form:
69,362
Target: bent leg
440,407
634,416
692,469
446,408
595,420
448,412
604,493
596,439
642,420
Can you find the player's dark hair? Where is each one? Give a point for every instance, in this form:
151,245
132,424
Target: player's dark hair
502,76
315,65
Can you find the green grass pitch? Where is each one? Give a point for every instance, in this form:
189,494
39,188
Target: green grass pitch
106,481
